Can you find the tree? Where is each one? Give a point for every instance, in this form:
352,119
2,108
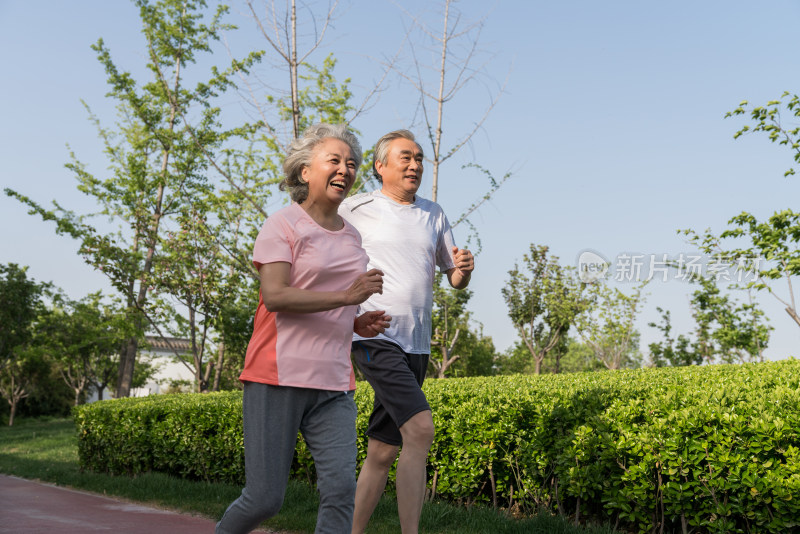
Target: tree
456,348
313,93
449,320
725,329
21,305
83,340
20,376
282,38
608,326
768,119
543,299
572,356
455,46
771,254
515,360
158,160
768,250
195,275
674,352
737,330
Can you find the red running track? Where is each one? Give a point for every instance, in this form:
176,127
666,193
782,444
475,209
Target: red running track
33,507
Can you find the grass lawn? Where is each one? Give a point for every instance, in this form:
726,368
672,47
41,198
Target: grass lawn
47,450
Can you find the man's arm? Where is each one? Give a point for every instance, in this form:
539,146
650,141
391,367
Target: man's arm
465,263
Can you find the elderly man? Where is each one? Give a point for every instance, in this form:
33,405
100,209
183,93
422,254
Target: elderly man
406,237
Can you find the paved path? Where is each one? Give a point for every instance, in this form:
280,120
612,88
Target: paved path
33,507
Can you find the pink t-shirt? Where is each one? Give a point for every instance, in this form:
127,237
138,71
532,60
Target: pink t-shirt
309,350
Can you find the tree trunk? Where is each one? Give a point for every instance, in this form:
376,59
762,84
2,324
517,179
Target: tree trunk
437,145
293,75
126,364
537,365
220,362
12,412
793,315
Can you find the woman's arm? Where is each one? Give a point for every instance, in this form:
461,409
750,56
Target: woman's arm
279,296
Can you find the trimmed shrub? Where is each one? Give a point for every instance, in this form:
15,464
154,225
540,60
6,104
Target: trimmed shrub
702,449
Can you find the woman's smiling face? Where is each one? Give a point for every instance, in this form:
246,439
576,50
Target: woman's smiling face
331,173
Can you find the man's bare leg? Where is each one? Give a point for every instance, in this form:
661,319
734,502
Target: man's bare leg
372,481
412,469
417,435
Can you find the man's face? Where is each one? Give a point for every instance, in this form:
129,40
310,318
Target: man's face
402,173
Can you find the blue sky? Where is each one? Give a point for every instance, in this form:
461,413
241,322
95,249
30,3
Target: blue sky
611,121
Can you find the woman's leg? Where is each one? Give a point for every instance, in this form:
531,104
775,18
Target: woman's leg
329,428
272,416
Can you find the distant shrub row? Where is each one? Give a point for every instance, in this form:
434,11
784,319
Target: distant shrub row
693,449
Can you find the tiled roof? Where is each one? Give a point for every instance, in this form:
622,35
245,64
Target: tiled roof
168,344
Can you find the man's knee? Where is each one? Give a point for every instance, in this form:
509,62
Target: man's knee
381,455
419,430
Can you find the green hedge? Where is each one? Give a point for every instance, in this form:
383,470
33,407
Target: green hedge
695,449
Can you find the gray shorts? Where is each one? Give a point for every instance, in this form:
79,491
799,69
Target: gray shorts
396,377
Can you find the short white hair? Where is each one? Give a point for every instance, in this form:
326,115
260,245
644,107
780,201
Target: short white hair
302,149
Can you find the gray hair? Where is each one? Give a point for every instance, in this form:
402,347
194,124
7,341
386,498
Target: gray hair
302,149
382,148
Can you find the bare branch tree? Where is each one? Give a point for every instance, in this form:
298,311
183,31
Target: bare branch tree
452,74
282,37
282,31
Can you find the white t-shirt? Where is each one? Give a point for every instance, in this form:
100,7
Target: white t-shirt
406,242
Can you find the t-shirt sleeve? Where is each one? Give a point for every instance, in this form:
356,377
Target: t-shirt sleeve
274,242
444,247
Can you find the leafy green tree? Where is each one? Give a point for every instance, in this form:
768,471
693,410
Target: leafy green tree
515,360
572,356
673,351
195,275
766,250
456,348
450,319
158,160
770,120
21,376
737,330
543,300
725,330
479,354
608,325
83,340
21,304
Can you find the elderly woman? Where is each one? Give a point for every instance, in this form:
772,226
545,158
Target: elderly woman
297,373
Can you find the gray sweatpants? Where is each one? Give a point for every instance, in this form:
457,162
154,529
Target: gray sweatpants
272,417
